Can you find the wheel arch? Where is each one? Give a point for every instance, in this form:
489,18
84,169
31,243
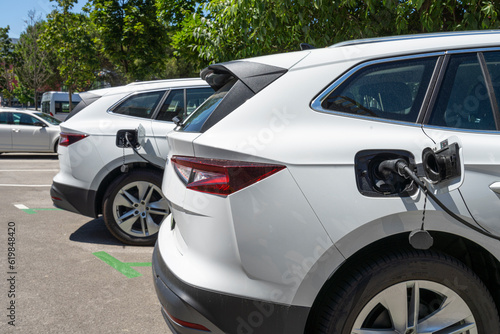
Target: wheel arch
55,145
115,173
483,263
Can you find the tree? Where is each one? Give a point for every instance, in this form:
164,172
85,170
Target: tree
23,94
7,77
70,36
32,67
231,29
130,36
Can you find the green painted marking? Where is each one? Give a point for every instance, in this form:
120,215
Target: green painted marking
33,211
124,267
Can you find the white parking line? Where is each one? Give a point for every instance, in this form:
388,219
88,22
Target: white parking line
25,185
29,170
21,206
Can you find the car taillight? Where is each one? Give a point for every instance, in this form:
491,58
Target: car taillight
221,177
66,139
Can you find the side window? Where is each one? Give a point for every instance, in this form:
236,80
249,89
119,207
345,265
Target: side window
24,119
4,118
140,105
195,97
173,106
392,90
463,101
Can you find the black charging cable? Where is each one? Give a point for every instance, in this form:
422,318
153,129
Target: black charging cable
400,166
137,152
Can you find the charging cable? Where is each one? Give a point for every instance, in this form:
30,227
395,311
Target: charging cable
400,166
137,152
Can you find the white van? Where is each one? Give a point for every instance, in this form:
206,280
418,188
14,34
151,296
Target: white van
58,102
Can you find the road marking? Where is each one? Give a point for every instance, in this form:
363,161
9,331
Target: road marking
124,267
25,185
29,170
34,210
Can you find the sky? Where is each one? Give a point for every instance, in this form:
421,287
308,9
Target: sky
14,13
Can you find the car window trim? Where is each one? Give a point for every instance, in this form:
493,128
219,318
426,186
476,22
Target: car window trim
317,102
490,89
435,91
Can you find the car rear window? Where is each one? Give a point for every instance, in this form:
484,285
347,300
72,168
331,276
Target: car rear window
50,119
87,99
197,119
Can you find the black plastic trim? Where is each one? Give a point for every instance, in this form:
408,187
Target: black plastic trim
252,78
74,199
255,76
222,313
87,99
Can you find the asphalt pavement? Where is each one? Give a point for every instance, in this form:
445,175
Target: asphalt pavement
61,272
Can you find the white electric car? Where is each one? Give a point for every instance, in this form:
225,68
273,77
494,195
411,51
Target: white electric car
350,189
112,154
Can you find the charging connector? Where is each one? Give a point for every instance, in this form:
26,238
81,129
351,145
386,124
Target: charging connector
400,166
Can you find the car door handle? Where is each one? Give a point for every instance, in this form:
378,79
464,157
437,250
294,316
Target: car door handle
495,187
16,130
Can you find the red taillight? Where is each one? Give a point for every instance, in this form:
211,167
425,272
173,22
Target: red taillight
186,324
66,139
222,177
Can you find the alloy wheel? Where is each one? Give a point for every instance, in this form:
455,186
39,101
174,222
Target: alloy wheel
416,307
139,208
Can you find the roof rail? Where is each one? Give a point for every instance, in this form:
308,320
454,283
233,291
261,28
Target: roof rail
160,81
413,36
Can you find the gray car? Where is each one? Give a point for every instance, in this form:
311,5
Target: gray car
27,131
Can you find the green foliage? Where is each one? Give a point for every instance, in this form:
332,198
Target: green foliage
129,35
173,12
69,35
6,57
232,29
32,63
23,94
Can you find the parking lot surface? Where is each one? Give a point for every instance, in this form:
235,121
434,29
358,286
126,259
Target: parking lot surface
62,272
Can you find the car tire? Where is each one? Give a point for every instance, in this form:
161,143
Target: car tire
134,207
381,296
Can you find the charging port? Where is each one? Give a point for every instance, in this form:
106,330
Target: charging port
377,182
127,139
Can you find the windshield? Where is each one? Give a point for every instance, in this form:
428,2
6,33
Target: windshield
48,119
196,120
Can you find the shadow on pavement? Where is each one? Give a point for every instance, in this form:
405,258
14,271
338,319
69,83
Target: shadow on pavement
95,232
24,156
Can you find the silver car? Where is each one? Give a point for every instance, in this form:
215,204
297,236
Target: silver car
27,131
353,189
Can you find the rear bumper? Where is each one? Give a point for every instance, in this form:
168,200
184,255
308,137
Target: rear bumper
73,199
220,313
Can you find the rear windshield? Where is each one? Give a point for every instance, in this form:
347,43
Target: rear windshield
48,118
195,121
87,99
